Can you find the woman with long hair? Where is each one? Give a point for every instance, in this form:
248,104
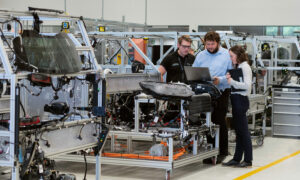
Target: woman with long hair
240,105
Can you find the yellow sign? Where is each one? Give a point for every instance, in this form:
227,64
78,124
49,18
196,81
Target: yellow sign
119,59
65,25
101,28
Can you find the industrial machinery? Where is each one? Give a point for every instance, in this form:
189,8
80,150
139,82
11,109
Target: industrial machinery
149,140
43,96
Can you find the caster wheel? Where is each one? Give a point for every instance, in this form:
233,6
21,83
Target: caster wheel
260,141
214,160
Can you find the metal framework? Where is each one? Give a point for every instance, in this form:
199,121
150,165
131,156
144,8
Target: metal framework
197,155
127,38
7,73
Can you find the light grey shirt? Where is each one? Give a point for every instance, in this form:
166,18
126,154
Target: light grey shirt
247,80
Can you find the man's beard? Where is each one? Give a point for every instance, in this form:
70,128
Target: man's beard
214,51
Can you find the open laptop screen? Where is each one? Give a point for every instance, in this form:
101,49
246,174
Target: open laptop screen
197,74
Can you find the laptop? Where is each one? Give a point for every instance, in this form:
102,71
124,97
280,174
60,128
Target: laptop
197,74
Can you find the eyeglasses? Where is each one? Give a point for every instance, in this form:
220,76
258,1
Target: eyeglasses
186,47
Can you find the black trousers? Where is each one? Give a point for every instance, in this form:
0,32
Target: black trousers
218,117
240,105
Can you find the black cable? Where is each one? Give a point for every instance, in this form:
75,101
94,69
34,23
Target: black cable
46,141
21,26
96,130
85,171
59,86
74,101
60,83
31,92
116,53
113,56
80,78
14,19
122,47
23,109
79,136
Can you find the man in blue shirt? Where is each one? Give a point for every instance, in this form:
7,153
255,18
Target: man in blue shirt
218,61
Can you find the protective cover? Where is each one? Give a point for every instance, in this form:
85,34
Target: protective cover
48,54
167,91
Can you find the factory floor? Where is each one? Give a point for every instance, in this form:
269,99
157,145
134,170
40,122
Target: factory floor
277,159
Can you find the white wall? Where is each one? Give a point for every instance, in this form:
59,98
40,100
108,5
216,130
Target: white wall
227,12
22,5
177,12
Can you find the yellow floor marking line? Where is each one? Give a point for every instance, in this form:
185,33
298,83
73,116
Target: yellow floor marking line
266,166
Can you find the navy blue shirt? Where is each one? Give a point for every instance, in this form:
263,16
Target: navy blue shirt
174,65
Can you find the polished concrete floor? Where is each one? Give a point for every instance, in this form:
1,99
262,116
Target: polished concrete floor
272,150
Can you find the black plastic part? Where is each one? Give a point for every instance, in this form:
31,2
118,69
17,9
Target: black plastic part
37,22
137,67
17,120
21,56
200,104
58,108
101,139
212,90
44,9
8,26
98,110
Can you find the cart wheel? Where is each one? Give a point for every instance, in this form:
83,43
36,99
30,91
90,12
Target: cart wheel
260,140
214,160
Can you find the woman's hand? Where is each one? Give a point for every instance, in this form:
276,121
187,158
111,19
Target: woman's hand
228,77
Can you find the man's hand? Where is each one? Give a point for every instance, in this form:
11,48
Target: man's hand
162,71
228,77
216,80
